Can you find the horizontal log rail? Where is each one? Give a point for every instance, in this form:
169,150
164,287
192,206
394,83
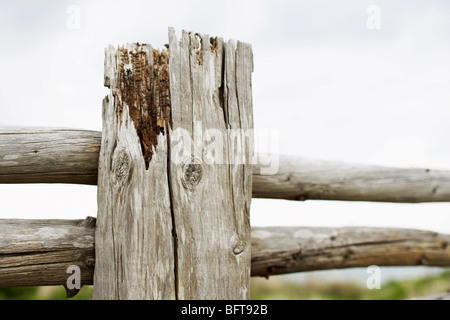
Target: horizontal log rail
302,179
38,252
286,250
42,155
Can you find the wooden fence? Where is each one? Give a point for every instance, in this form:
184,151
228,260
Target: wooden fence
170,229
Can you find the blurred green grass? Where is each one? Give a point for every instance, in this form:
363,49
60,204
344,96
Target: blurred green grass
43,293
277,288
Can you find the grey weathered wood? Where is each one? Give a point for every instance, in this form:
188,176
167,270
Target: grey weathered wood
211,89
134,243
38,252
48,155
172,227
40,155
286,250
303,179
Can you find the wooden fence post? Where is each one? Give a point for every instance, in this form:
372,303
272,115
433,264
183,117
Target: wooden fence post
174,180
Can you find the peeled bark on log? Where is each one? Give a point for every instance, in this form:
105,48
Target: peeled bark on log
38,252
48,155
286,250
304,179
41,155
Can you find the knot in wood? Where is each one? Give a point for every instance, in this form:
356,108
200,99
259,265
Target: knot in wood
90,261
192,173
121,165
239,247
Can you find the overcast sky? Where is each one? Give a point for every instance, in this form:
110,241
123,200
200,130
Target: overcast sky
333,87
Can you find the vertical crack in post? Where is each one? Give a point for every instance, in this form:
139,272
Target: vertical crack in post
174,226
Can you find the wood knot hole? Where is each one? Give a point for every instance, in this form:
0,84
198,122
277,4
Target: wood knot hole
192,173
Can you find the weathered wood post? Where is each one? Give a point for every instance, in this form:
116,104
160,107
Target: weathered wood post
175,175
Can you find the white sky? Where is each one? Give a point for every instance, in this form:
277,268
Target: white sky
333,88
